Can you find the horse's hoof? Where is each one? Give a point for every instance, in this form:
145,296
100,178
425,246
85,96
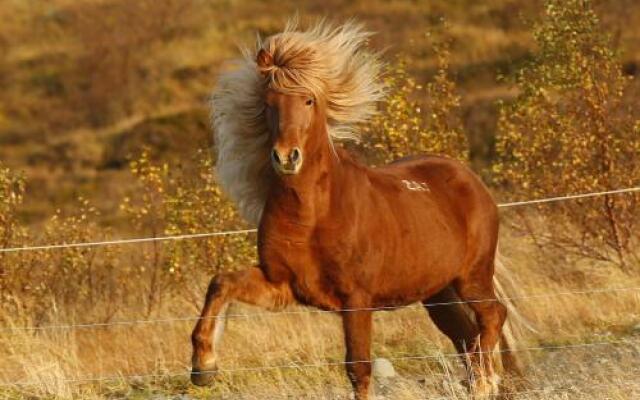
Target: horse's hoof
200,377
484,388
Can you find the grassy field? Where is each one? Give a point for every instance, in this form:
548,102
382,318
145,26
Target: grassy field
585,345
88,86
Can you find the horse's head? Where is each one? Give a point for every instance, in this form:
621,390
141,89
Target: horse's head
294,120
319,84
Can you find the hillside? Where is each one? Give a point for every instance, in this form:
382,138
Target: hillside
87,85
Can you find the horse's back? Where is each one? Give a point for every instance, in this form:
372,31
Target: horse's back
455,189
447,179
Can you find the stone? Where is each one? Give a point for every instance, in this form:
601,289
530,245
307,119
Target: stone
382,368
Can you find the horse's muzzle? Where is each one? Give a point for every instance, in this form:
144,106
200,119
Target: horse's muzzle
203,377
286,164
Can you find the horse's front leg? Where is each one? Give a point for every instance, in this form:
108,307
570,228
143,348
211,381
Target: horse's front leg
247,286
357,334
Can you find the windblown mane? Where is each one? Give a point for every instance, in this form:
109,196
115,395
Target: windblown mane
327,61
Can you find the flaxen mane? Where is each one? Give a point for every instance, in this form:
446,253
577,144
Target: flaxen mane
326,61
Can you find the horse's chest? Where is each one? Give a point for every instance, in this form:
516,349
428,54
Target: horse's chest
283,256
306,265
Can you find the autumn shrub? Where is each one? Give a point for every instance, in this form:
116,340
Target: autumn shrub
174,202
38,284
98,283
11,232
569,131
416,119
197,205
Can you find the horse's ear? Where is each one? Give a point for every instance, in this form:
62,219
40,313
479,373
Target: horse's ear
264,59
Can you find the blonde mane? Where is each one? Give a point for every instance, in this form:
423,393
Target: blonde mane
327,61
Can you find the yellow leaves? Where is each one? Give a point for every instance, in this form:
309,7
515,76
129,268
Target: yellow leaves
406,127
192,203
568,131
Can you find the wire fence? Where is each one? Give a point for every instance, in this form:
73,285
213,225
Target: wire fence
127,323
289,312
337,363
247,231
308,311
569,197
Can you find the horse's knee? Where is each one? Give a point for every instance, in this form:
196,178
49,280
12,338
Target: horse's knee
218,284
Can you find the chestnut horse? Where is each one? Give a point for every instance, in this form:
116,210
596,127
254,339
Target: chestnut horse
333,233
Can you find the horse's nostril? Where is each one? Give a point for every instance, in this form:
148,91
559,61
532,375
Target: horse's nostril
295,155
275,156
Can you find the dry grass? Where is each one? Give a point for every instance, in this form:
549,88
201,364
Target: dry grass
44,364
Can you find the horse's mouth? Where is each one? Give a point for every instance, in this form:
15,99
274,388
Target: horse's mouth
288,169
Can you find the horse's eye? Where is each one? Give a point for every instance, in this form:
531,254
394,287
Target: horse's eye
309,102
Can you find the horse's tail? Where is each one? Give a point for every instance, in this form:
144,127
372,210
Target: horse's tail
512,361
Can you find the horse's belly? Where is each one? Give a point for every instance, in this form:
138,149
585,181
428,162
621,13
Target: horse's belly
413,257
408,281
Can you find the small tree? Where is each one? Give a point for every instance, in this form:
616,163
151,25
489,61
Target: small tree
174,202
569,131
36,285
404,127
196,204
11,195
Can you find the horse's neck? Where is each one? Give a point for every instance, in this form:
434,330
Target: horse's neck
304,199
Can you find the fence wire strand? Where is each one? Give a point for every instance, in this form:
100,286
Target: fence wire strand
247,231
306,311
294,365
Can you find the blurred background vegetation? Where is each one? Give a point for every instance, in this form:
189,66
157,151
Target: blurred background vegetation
84,85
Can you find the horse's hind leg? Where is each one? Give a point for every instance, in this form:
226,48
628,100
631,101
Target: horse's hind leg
452,318
455,319
247,286
477,290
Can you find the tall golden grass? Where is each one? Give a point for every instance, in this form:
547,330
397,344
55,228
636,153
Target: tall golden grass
47,363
